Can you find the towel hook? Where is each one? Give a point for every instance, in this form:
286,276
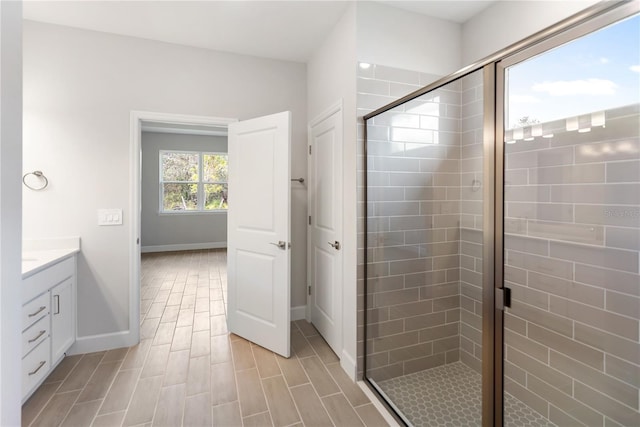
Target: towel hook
37,174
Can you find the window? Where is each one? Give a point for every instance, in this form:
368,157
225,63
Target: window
193,181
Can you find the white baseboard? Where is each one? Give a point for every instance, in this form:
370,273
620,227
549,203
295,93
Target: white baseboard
101,342
92,343
348,364
299,312
183,247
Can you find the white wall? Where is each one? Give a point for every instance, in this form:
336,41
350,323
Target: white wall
506,22
331,77
10,210
401,39
79,89
180,230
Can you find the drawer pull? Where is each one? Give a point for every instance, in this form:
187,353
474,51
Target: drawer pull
38,336
39,311
38,368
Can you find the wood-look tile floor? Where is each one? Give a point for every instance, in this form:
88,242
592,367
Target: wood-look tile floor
188,370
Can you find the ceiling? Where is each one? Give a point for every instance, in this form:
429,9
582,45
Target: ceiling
285,30
453,10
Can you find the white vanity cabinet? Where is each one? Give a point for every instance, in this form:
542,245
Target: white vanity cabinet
62,319
48,320
36,356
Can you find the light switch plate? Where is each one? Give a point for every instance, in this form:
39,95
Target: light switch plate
109,216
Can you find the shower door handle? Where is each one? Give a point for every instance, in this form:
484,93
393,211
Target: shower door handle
503,298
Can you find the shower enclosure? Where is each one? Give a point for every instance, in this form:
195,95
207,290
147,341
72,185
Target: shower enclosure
502,235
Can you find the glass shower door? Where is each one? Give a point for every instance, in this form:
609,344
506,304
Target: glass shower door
572,231
424,249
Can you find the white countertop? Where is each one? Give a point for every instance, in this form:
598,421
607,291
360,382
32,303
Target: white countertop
40,254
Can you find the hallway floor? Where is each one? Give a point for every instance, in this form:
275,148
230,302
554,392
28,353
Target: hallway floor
188,370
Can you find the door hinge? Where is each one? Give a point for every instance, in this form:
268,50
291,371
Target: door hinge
309,219
309,149
503,298
309,289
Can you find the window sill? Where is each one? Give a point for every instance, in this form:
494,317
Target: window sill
190,213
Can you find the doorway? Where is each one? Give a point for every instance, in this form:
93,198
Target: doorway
151,120
502,235
188,180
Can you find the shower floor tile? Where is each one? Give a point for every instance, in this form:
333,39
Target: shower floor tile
450,395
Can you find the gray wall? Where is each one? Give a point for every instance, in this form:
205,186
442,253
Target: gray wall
177,229
330,77
79,90
501,24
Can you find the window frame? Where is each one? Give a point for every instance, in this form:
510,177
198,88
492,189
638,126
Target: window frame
200,183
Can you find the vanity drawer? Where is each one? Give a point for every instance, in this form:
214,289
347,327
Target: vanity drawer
35,335
48,278
35,310
35,366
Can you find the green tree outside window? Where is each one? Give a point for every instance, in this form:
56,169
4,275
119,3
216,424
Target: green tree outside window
193,181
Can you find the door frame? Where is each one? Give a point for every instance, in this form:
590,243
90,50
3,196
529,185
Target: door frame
137,118
337,107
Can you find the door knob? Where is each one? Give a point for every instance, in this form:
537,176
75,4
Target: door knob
281,245
335,245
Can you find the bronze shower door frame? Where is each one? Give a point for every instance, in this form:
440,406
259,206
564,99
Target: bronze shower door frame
493,67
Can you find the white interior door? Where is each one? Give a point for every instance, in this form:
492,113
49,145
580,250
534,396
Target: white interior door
258,255
325,226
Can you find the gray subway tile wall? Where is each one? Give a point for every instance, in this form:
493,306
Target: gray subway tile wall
572,247
572,224
471,235
419,204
